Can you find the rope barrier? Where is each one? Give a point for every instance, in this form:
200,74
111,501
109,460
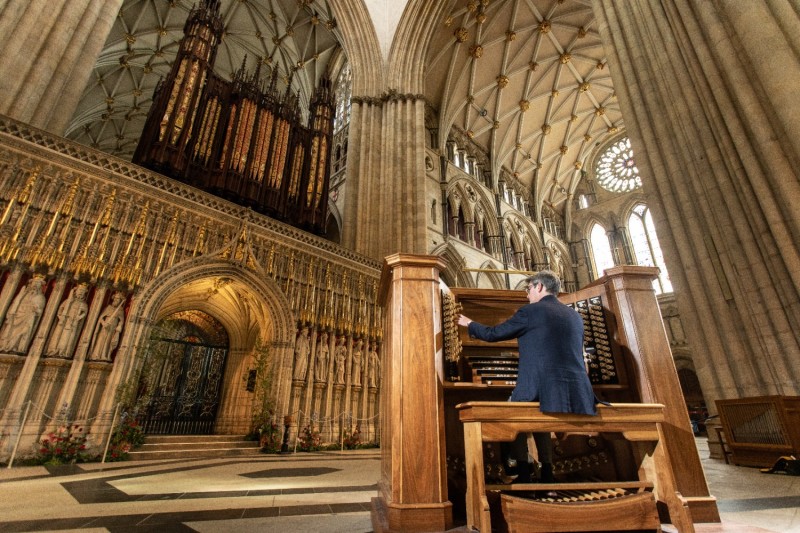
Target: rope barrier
32,408
334,417
65,415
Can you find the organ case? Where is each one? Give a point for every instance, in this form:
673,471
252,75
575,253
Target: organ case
628,361
431,366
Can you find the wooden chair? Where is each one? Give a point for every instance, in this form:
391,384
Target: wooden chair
723,444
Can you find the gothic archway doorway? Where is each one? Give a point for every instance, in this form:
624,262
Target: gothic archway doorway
183,372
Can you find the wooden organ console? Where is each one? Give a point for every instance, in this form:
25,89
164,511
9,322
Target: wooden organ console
438,381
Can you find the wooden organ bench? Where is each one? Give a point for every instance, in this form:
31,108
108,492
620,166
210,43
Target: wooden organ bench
606,505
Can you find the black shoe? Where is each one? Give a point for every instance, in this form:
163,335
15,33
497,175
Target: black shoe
524,471
546,473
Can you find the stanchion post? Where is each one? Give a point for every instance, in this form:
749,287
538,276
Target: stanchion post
287,423
110,433
19,434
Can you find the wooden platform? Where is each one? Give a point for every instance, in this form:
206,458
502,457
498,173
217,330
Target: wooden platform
633,509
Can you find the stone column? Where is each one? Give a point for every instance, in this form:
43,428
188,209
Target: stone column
338,408
49,50
718,155
370,431
469,228
387,172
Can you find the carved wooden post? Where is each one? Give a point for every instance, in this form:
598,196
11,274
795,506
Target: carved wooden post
632,299
412,494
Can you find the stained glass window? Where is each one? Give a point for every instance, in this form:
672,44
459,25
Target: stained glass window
344,86
646,247
616,168
601,250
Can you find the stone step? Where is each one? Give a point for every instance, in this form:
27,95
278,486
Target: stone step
171,439
194,446
147,446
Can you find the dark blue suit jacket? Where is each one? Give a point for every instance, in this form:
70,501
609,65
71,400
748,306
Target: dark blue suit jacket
551,367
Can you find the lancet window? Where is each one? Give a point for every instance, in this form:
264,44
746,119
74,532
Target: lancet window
602,257
646,248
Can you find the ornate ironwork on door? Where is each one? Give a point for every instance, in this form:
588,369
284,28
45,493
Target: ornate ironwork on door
185,388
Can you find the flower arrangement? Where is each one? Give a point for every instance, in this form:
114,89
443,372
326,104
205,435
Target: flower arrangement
352,439
65,445
269,437
127,435
309,440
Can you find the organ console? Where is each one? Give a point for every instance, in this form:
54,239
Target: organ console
628,361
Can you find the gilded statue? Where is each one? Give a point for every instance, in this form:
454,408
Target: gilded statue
340,357
302,348
71,314
321,369
108,329
23,317
374,366
357,363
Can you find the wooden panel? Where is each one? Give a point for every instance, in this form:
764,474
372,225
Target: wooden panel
633,512
641,333
413,486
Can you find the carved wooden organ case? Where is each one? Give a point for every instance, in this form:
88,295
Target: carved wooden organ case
239,139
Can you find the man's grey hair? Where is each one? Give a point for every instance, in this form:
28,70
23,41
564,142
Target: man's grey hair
548,279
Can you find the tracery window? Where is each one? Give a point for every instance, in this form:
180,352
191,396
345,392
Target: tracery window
645,246
457,158
601,250
344,90
461,227
616,169
456,227
517,256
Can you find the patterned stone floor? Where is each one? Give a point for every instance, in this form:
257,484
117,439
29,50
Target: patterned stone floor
325,492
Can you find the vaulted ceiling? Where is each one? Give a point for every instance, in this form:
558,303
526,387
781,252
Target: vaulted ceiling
528,81
525,80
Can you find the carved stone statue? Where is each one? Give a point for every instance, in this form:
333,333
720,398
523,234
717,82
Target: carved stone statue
357,363
374,367
302,349
108,329
71,314
23,317
340,357
321,369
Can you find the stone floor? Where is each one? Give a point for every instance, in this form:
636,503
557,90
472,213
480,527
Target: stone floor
324,492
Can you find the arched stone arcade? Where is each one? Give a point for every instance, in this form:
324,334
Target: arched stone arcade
251,308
